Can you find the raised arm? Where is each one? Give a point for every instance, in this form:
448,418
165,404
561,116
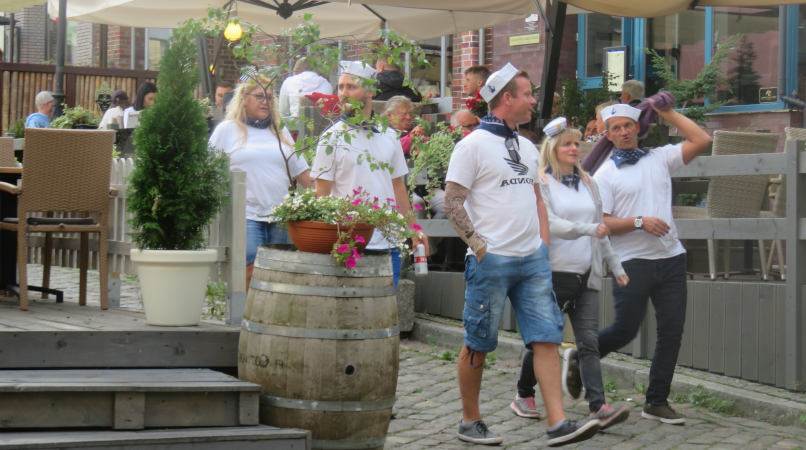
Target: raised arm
454,207
697,139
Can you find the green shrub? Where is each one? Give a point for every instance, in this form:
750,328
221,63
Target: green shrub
76,116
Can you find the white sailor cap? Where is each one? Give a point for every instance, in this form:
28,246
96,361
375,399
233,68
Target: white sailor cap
357,68
620,110
497,81
556,126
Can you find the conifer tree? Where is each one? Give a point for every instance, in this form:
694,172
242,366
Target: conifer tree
179,182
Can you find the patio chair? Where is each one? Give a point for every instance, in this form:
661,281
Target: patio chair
7,152
733,196
65,171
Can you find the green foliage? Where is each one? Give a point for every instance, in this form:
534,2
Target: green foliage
18,129
75,116
704,86
578,105
215,299
178,183
691,199
641,388
743,80
432,155
711,403
610,386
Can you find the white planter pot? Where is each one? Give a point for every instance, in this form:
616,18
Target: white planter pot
173,283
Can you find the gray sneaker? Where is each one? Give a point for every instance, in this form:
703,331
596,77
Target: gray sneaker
572,379
663,414
609,416
571,432
477,433
525,407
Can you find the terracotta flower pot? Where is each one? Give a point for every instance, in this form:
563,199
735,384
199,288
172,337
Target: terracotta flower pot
319,237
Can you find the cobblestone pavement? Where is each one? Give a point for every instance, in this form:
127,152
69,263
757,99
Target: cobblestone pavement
429,409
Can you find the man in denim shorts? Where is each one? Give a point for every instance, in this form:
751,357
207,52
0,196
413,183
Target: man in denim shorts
494,203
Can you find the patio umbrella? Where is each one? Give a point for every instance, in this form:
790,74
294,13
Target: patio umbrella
632,8
14,6
361,19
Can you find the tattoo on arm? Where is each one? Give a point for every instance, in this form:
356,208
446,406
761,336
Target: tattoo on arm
455,196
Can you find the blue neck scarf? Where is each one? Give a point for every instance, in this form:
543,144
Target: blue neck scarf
343,117
259,124
496,126
571,181
630,156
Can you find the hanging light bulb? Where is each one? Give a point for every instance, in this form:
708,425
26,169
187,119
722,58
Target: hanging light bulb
233,31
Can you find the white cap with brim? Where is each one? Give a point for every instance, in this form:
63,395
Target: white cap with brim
357,68
620,110
496,82
556,126
43,97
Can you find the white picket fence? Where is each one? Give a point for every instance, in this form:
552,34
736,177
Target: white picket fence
226,234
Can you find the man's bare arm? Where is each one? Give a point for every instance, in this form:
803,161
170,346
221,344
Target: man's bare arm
454,208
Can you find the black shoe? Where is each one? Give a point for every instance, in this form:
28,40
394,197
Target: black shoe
571,432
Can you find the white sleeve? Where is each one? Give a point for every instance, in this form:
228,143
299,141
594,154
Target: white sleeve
220,138
673,155
324,161
326,89
462,167
296,163
398,162
602,178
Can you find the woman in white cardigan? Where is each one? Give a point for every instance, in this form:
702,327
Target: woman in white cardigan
578,248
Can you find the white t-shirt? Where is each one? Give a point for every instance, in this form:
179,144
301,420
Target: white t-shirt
502,204
346,174
572,256
643,189
259,157
300,85
112,115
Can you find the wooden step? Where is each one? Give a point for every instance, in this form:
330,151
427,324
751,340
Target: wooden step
125,399
260,437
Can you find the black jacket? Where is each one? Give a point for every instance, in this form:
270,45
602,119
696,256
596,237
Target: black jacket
390,84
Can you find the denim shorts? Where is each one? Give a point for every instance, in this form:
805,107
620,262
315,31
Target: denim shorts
527,283
258,233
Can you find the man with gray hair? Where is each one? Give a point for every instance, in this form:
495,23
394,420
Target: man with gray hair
632,92
465,120
44,110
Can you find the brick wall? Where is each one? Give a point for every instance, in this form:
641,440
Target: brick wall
31,22
84,44
466,54
119,47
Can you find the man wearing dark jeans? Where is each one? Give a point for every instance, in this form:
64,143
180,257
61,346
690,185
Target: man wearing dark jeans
636,190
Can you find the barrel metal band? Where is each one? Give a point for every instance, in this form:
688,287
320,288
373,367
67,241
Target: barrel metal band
317,269
348,445
319,333
322,291
316,405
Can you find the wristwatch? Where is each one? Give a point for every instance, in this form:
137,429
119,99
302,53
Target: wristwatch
639,222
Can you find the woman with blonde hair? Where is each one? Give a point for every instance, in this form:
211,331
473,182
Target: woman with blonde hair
579,245
255,145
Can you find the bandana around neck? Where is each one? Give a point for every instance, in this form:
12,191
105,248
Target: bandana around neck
259,124
343,117
571,181
495,126
630,156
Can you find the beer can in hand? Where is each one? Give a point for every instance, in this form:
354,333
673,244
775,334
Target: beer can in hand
420,261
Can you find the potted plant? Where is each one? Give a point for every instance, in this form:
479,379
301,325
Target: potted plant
341,226
77,118
177,187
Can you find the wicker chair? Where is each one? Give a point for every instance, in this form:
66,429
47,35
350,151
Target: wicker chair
584,149
65,171
7,152
733,196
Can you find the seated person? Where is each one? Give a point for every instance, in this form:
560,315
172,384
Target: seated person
146,94
389,81
600,125
304,82
590,129
44,111
398,110
632,92
120,101
465,120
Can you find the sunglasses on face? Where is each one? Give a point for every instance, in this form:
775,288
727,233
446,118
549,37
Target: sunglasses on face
261,98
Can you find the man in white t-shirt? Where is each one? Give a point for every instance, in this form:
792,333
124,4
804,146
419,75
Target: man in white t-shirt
493,200
636,189
341,163
304,82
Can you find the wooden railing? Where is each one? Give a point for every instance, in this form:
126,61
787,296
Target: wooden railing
226,234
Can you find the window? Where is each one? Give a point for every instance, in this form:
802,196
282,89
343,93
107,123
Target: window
157,43
680,39
600,31
754,64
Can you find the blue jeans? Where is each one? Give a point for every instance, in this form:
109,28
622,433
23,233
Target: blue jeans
664,281
258,233
527,283
396,261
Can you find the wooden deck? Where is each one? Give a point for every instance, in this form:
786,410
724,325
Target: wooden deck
66,335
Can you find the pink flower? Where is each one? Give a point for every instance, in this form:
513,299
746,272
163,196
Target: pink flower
356,201
375,200
349,218
350,263
355,254
376,207
416,206
395,206
356,192
360,188
416,227
390,200
360,239
343,248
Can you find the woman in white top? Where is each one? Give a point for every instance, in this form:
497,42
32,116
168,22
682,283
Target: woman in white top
256,146
120,102
579,245
146,94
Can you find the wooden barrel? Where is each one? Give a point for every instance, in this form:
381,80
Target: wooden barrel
322,341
